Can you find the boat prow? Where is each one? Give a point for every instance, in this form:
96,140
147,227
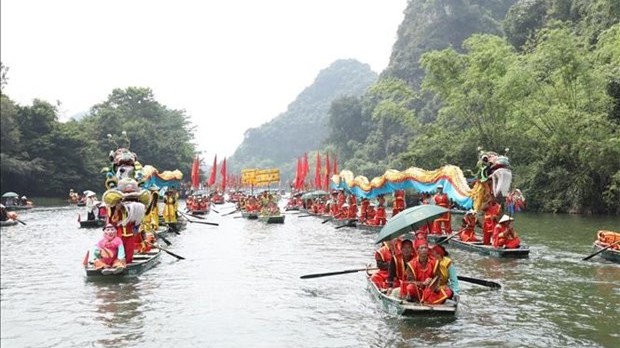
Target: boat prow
609,254
8,222
404,308
271,219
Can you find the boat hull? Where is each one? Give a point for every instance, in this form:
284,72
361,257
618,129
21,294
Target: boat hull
609,254
92,223
279,219
141,263
410,309
8,223
18,207
249,216
518,253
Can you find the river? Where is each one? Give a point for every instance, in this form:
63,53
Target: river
239,286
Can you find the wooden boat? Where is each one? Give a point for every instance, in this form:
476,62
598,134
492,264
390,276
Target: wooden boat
397,306
18,207
369,228
141,263
436,238
92,223
218,200
521,252
609,254
198,212
290,208
271,219
249,216
8,222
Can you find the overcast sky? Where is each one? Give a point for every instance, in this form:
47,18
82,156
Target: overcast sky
231,64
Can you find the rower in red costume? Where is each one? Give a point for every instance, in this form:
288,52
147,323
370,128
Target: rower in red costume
399,202
380,215
468,233
352,212
492,211
364,210
383,257
504,235
397,271
420,271
443,223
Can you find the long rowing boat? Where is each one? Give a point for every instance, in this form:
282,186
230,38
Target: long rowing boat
249,216
609,254
410,309
8,222
271,219
141,263
519,253
92,223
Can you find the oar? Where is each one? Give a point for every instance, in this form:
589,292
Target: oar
165,240
300,216
600,251
20,221
213,205
450,237
232,212
167,251
491,284
200,222
170,228
329,219
318,275
350,223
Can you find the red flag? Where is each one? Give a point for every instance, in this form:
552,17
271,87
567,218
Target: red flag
213,175
327,172
196,173
335,166
298,173
223,173
305,170
317,172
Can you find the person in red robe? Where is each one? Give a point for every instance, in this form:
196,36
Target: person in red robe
420,272
364,210
352,212
397,270
468,233
492,211
370,214
504,235
380,218
399,202
383,256
442,224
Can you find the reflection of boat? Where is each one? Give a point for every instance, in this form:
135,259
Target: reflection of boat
8,222
521,252
249,216
273,219
141,263
411,309
609,254
92,223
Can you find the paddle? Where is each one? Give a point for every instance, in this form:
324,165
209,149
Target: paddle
318,275
20,221
232,212
450,237
330,219
491,284
165,240
197,216
300,216
600,251
173,229
167,251
350,223
213,205
200,222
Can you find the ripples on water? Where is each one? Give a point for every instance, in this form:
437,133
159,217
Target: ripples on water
240,286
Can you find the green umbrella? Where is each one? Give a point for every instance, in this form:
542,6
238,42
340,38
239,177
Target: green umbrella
10,195
409,220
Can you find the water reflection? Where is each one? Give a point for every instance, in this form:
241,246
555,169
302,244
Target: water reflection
119,309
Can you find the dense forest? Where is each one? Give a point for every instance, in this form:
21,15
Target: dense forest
44,157
540,77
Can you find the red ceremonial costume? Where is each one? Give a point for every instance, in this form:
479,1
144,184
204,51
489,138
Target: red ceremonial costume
504,236
491,215
399,202
383,256
421,271
443,223
469,223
